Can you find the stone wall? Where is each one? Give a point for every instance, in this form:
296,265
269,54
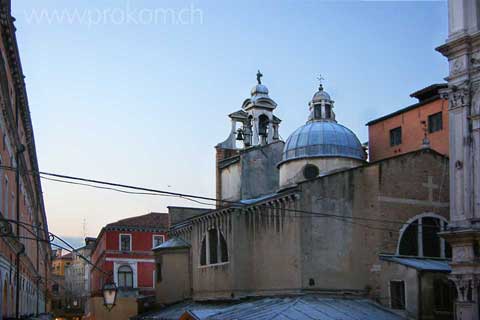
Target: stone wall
251,174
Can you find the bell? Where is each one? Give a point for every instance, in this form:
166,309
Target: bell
239,135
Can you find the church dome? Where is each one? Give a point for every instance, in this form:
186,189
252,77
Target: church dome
323,139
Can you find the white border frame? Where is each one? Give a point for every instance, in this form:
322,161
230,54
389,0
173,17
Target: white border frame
133,265
120,242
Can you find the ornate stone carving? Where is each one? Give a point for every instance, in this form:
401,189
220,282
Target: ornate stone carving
475,112
457,66
464,284
459,97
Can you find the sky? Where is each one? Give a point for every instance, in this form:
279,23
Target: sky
138,91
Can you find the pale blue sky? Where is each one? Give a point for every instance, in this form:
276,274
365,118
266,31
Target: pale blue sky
144,102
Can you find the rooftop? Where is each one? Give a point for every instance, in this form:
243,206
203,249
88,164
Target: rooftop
153,220
425,95
421,264
173,243
306,307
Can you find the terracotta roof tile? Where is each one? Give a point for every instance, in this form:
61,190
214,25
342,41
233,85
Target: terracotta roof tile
151,220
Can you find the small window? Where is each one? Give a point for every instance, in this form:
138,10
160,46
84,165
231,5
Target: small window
397,295
310,171
158,240
328,112
125,277
125,242
263,122
317,111
213,245
396,136
158,272
435,122
214,248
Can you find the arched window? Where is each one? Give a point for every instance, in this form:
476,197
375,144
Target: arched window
328,111
214,248
317,109
263,122
125,277
420,238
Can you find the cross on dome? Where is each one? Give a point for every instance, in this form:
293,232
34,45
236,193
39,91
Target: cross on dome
259,76
320,79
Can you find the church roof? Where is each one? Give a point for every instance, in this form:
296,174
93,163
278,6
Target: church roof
305,307
322,139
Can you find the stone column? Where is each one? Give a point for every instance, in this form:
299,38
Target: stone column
463,52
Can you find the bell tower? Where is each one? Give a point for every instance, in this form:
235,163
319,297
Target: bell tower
257,125
254,127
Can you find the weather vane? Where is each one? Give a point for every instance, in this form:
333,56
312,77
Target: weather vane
320,79
259,76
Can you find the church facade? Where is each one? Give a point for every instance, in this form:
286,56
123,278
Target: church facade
311,216
462,49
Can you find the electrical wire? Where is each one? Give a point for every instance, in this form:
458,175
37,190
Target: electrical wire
190,197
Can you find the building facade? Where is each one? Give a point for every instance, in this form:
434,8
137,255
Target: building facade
59,293
77,280
333,226
123,254
410,128
24,259
462,49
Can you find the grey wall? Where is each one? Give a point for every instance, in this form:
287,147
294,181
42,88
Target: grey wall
178,214
273,250
175,283
254,175
260,175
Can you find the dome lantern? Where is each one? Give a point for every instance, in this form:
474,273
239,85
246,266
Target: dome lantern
321,105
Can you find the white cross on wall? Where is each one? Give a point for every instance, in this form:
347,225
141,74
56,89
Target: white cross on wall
431,186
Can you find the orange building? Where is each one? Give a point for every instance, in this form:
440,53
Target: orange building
60,262
404,130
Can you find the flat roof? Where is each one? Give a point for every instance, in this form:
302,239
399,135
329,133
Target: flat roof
422,264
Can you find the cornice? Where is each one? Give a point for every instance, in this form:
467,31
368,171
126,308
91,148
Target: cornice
458,45
8,29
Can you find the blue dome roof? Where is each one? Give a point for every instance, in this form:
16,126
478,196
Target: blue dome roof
323,139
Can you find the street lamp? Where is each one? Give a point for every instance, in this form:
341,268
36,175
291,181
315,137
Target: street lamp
109,295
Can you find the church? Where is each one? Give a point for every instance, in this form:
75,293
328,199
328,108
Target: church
309,228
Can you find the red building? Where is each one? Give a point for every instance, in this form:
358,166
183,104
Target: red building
123,249
404,130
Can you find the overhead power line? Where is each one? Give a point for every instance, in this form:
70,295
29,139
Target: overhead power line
107,185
